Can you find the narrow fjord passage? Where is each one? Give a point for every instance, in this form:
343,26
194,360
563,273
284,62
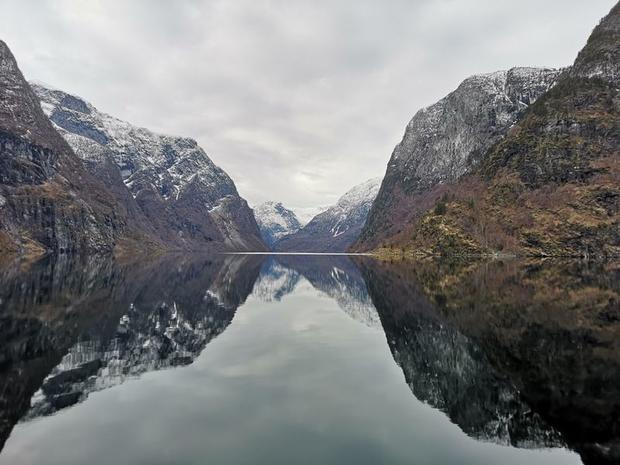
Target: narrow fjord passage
276,361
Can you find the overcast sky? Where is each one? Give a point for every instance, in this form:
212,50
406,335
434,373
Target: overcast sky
297,100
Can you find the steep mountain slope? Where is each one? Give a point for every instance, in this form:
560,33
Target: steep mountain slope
188,200
275,221
48,200
338,227
445,141
552,186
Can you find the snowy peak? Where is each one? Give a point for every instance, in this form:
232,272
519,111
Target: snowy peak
338,227
168,164
275,221
449,139
445,140
189,201
357,201
600,58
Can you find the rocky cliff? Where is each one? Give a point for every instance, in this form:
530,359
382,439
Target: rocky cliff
548,188
447,140
48,200
335,229
167,182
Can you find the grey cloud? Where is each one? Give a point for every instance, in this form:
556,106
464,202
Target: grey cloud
297,100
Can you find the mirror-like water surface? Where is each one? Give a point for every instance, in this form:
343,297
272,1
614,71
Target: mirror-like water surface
309,359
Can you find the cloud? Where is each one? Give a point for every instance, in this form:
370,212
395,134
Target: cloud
297,100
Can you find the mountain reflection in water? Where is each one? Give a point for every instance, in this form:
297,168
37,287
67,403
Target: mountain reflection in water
525,355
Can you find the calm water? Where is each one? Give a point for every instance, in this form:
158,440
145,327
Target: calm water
291,359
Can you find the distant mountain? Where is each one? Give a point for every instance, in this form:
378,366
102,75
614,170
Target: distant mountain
48,199
447,140
169,182
335,229
275,221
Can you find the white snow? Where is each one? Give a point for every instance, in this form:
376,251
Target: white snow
352,206
168,163
276,220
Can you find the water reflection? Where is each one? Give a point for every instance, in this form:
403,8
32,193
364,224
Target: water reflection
335,276
525,355
71,327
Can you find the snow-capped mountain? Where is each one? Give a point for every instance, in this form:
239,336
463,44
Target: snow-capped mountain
275,221
189,201
335,229
447,139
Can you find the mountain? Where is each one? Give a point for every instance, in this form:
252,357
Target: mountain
447,140
275,221
167,182
550,187
335,229
48,199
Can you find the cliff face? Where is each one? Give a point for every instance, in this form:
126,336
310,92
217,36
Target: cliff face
447,140
48,200
335,229
550,187
172,184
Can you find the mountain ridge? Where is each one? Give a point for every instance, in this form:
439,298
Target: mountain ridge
275,221
446,140
49,202
189,201
335,229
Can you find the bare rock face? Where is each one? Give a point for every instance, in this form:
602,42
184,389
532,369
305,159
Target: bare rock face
447,140
168,181
338,227
600,58
48,200
275,221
